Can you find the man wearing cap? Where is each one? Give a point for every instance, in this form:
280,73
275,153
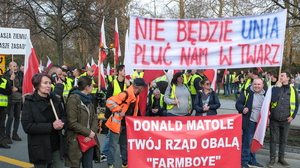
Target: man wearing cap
122,105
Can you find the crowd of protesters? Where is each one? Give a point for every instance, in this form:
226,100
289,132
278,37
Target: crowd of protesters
68,98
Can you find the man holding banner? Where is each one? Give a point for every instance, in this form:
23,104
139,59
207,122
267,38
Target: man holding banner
249,105
284,107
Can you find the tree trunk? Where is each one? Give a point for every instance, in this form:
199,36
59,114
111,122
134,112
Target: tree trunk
59,33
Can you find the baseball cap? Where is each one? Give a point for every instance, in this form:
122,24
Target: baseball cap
140,82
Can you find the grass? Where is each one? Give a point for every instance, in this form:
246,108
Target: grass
231,97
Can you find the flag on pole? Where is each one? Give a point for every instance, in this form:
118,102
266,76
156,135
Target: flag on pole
117,42
49,63
102,42
259,134
102,76
31,67
224,74
127,60
94,65
87,65
259,69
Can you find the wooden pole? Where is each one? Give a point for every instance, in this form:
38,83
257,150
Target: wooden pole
53,109
280,68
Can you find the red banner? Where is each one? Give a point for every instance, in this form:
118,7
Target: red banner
205,141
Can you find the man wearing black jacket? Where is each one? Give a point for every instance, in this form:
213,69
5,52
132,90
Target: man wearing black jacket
156,105
5,90
284,108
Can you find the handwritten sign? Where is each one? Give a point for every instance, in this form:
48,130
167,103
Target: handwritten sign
13,41
184,141
251,41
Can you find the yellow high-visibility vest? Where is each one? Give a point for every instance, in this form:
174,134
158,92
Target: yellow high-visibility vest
3,98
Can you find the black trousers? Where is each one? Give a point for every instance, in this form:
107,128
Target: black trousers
278,129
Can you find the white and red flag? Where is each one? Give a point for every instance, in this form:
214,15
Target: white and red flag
94,65
259,134
49,63
87,65
117,42
102,42
31,67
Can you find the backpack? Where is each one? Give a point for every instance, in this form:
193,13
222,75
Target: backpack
108,112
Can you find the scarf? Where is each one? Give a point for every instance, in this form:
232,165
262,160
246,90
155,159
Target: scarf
86,99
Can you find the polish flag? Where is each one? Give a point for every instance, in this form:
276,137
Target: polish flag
87,65
259,69
261,127
49,63
117,42
224,74
211,75
102,42
31,67
102,76
94,66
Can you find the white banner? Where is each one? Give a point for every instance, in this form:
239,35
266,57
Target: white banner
251,41
13,41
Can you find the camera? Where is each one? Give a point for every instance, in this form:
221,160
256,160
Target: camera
54,77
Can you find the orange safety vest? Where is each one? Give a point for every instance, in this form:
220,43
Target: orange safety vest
116,104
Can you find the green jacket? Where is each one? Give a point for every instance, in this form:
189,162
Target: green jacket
77,119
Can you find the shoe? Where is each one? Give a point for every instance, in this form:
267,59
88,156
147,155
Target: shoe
16,137
282,162
244,166
111,166
272,162
8,140
4,145
103,158
124,166
255,165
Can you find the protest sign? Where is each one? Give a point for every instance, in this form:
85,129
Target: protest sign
250,41
184,141
13,41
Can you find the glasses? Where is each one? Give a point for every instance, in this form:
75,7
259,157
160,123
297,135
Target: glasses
207,84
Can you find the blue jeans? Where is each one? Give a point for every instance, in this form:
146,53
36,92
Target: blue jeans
106,143
227,89
236,94
247,156
14,111
87,158
114,139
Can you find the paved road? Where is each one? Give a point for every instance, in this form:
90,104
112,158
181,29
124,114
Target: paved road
19,149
